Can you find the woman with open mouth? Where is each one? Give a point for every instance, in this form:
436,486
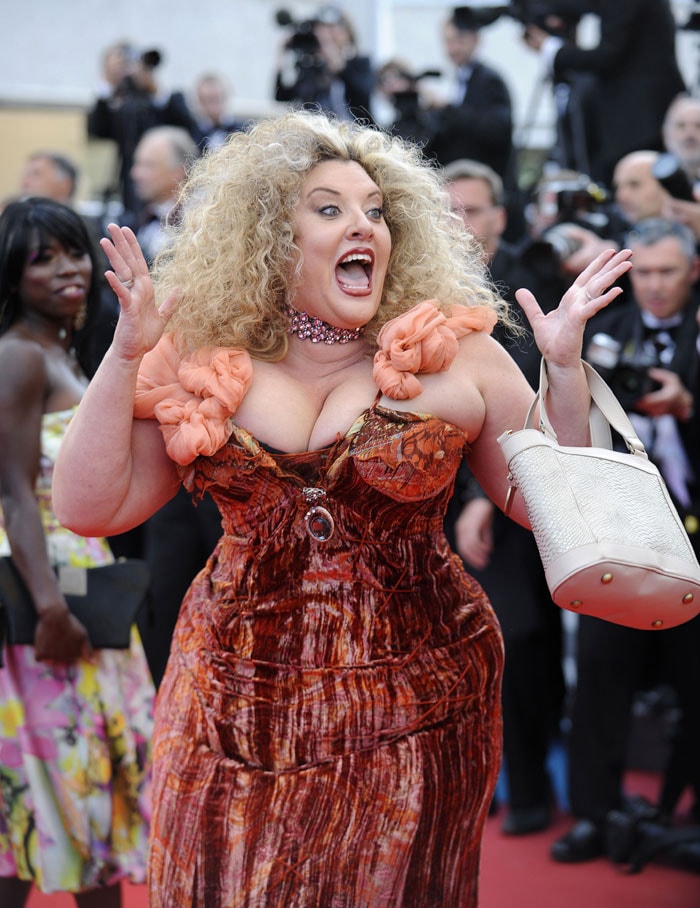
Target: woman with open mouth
316,354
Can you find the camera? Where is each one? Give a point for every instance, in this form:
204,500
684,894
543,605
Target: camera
557,18
629,379
669,173
407,102
131,87
577,202
312,75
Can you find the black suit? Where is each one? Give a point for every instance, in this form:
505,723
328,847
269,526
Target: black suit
313,88
514,580
125,117
637,74
615,662
480,128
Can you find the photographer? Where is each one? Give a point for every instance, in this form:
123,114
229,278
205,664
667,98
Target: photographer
635,67
320,65
499,553
400,89
681,163
657,364
476,122
126,108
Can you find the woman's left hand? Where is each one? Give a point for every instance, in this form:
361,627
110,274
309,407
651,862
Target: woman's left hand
559,333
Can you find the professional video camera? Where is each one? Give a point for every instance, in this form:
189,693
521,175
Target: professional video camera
312,74
133,86
558,17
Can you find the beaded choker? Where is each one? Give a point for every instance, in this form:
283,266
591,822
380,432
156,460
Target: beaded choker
318,331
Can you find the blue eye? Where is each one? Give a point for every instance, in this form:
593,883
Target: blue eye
376,213
329,209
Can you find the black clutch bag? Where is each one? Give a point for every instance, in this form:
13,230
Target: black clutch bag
108,601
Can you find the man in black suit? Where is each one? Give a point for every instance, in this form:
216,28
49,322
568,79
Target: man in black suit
125,111
477,121
320,66
656,333
498,552
636,72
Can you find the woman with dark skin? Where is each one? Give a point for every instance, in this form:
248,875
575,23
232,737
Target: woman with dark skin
75,723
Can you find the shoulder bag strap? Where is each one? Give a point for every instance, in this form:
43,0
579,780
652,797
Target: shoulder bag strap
606,411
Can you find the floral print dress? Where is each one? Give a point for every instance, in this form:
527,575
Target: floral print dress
75,741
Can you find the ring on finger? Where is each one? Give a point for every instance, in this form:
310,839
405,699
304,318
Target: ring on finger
586,291
128,283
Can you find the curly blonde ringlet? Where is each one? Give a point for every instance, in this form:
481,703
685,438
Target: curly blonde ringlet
233,255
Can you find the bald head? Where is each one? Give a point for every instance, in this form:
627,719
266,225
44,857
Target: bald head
637,192
160,163
681,133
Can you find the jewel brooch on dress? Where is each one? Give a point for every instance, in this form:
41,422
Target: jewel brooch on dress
319,522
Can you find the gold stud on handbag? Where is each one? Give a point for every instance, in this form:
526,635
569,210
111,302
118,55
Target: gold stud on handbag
611,541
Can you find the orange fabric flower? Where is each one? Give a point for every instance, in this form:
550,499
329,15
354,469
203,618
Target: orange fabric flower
423,340
192,397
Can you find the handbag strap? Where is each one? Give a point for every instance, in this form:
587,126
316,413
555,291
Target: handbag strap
605,411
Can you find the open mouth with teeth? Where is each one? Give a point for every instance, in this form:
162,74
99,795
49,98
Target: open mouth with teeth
354,272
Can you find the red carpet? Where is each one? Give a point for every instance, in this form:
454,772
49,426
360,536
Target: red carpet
518,873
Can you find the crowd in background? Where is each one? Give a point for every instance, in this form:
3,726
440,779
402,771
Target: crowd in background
623,171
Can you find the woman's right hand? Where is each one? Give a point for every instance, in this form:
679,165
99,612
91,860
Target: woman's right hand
141,322
60,637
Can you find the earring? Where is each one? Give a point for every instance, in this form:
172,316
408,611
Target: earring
80,318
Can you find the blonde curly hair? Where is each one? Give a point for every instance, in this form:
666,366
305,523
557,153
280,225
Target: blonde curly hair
233,254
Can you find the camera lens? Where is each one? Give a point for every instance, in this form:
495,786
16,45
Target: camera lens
561,241
668,171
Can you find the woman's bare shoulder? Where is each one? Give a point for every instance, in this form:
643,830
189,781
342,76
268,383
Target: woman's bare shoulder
22,365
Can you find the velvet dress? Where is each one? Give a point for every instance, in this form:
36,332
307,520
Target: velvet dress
328,729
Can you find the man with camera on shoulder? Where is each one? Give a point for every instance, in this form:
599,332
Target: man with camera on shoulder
634,68
129,103
320,65
646,349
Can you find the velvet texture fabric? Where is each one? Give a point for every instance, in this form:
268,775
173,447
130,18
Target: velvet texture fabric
328,728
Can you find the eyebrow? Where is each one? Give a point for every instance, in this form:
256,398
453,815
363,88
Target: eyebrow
337,192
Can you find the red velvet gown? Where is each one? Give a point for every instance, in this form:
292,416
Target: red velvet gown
328,728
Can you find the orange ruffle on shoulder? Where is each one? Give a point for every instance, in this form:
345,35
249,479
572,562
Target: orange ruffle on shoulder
193,397
424,339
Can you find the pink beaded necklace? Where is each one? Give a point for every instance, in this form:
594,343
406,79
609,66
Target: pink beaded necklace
318,331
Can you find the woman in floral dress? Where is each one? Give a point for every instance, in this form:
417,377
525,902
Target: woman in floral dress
75,723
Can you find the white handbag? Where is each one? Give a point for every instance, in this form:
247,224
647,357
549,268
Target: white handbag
611,541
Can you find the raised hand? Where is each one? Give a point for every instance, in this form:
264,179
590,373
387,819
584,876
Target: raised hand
141,323
559,334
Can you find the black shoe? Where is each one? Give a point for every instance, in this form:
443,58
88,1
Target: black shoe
582,843
525,820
